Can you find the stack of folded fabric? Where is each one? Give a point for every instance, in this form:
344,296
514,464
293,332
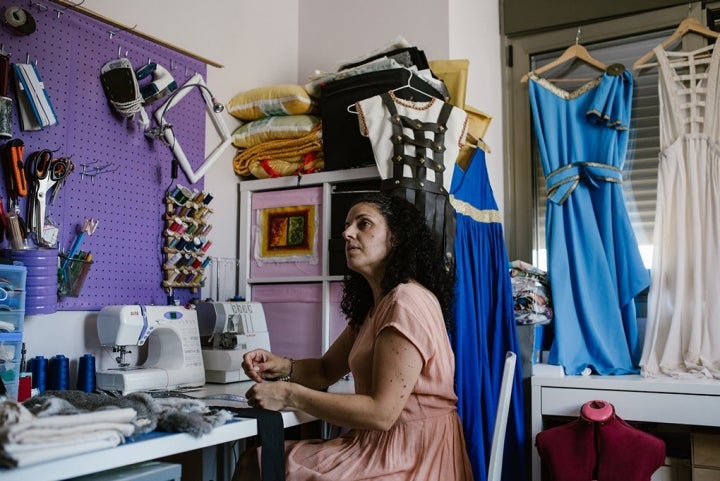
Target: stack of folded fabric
56,424
26,439
280,136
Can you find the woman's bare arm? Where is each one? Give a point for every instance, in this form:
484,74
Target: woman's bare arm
396,367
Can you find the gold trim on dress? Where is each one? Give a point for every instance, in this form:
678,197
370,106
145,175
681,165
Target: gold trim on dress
487,215
564,94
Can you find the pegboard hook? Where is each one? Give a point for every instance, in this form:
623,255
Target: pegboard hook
60,11
113,33
92,172
40,7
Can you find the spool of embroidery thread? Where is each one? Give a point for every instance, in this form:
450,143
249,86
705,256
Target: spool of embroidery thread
38,368
86,373
59,373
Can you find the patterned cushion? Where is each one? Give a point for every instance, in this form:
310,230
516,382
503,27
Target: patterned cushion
270,101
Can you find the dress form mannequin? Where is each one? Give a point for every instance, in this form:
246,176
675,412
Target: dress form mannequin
600,446
598,411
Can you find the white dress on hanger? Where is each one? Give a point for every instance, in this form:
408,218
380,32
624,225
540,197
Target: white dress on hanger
683,327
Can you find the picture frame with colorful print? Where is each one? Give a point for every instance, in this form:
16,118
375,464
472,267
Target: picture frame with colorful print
287,234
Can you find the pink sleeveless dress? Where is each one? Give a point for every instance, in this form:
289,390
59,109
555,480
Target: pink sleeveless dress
426,442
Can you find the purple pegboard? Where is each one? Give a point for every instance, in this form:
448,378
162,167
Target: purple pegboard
69,50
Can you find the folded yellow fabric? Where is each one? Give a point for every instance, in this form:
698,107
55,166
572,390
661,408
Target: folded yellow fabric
286,157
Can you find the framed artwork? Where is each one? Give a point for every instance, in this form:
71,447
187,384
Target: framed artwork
286,234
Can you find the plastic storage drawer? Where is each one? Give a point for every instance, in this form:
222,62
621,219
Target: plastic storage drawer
11,321
12,300
12,277
10,356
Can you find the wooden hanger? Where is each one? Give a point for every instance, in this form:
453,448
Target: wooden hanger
689,25
573,52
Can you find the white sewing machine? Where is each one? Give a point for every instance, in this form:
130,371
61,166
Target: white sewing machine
233,329
174,360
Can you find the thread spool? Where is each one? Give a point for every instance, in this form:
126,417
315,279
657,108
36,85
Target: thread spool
59,373
86,373
181,194
181,243
38,368
182,260
206,230
191,228
199,197
174,259
176,225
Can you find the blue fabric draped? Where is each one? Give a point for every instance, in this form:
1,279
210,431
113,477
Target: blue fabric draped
594,264
484,328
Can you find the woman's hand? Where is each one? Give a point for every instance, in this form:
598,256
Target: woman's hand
260,365
269,395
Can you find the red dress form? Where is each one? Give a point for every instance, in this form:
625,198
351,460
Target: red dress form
599,446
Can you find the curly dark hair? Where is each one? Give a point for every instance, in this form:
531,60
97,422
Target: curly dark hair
416,256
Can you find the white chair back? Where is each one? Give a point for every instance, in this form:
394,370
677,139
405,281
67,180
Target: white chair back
501,418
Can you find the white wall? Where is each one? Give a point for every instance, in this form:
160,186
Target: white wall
332,31
260,43
475,35
337,30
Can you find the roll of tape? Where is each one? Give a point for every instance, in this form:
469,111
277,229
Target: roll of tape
19,21
15,16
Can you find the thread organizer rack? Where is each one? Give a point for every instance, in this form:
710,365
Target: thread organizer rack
185,241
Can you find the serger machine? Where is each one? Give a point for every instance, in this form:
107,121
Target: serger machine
228,331
174,358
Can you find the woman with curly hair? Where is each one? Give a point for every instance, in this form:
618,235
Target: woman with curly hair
402,418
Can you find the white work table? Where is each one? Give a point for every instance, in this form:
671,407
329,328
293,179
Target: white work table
153,445
692,402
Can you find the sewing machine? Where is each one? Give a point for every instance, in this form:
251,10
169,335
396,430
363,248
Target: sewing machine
233,328
173,360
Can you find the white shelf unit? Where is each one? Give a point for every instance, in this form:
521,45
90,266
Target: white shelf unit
327,180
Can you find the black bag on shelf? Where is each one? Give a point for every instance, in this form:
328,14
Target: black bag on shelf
407,57
344,147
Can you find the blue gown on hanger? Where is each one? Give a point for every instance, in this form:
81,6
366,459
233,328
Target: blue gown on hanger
594,263
484,328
